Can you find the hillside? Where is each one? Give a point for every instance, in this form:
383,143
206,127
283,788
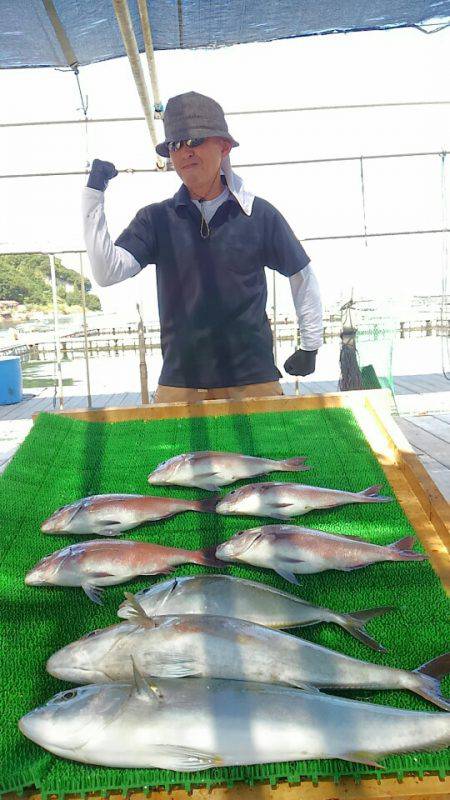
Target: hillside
26,279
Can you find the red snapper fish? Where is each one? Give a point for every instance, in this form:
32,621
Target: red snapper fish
210,470
111,514
286,500
291,550
107,562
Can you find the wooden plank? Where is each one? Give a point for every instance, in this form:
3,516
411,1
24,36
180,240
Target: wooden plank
412,386
444,416
432,425
217,407
132,399
439,474
430,787
436,508
26,408
44,404
75,401
427,442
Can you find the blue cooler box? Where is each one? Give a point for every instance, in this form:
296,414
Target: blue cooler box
10,380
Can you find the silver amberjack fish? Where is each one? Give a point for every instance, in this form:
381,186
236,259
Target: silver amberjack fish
225,595
192,724
286,500
291,550
210,469
112,514
196,645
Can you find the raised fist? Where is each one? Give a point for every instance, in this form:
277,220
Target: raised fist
100,174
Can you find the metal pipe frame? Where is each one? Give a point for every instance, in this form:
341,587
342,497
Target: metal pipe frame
126,29
349,107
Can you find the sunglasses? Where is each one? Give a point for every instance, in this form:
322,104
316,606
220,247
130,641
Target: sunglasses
174,146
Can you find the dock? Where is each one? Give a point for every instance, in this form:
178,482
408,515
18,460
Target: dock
421,410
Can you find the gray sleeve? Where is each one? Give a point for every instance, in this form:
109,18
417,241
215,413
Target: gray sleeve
110,263
308,306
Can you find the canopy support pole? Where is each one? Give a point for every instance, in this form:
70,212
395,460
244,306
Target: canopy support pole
86,349
63,41
150,53
56,328
126,29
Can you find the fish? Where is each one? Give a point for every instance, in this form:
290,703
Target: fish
112,514
286,500
206,646
210,470
193,724
107,562
291,550
220,595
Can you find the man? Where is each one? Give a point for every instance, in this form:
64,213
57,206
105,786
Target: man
210,243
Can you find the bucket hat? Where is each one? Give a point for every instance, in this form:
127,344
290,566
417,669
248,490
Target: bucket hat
192,116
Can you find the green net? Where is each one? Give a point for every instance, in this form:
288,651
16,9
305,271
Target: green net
64,459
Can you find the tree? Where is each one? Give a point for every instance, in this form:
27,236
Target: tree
26,279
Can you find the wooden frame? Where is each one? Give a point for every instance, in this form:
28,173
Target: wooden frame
423,504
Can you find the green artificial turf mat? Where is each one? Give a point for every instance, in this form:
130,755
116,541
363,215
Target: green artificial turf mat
64,459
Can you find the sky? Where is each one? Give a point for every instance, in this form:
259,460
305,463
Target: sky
318,200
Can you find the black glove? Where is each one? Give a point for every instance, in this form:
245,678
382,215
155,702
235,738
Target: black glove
302,362
101,172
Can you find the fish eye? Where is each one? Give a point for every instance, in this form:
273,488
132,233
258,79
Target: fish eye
66,696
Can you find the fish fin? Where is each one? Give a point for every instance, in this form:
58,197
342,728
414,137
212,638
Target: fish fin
281,505
93,592
403,548
145,690
184,759
110,532
172,666
137,614
101,575
372,494
207,557
208,506
355,625
306,687
432,673
288,576
361,757
294,464
208,474
171,588
164,571
287,560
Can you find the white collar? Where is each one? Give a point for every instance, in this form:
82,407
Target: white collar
237,188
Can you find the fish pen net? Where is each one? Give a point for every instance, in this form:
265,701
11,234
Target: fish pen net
64,459
366,350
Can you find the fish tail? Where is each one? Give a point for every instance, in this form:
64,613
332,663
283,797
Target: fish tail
296,464
355,625
431,675
207,506
401,550
371,495
207,557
